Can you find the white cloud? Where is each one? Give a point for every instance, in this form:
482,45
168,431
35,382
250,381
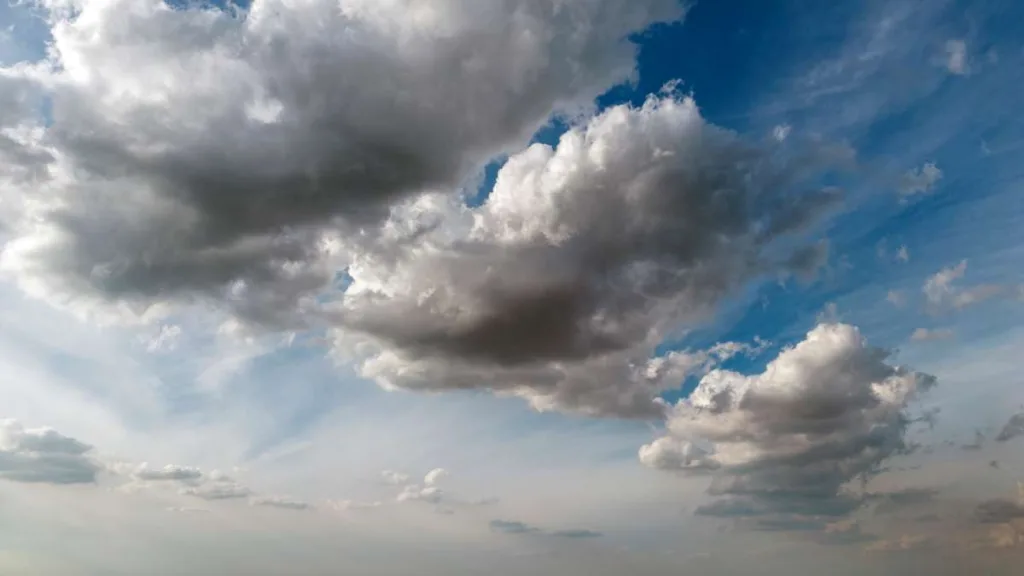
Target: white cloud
828,411
669,453
284,502
166,340
921,180
435,476
941,291
167,473
221,489
903,254
781,132
394,478
956,57
43,455
925,334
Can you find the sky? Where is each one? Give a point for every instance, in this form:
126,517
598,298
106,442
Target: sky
512,287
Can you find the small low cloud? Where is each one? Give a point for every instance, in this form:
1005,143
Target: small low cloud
167,473
903,254
516,527
999,511
284,502
903,543
926,334
956,57
896,298
943,292
394,478
920,180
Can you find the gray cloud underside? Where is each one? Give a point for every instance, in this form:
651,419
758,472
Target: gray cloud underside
43,455
786,443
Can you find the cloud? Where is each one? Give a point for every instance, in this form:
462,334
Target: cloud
43,455
547,292
346,505
668,453
956,57
896,298
167,473
889,502
223,169
516,527
825,412
280,502
394,478
925,334
512,527
999,511
921,180
217,486
435,476
903,254
1013,428
940,291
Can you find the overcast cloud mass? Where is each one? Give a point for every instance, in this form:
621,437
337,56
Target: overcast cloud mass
511,286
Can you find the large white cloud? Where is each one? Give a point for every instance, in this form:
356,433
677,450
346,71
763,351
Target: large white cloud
43,455
824,413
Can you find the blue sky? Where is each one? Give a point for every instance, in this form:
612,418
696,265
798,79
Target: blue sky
171,250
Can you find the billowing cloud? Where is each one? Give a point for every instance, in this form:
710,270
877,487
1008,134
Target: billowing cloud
280,502
1013,428
920,181
434,477
670,453
216,158
582,260
786,443
43,455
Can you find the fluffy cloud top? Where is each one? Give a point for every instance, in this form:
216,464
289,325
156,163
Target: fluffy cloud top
826,412
43,455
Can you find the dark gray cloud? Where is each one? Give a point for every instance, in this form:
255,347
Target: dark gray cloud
891,502
1013,428
43,455
583,259
998,511
788,442
219,169
516,527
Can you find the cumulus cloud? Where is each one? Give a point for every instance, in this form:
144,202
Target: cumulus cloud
896,298
999,511
43,455
925,334
280,502
903,543
920,180
785,443
214,160
941,289
223,489
582,260
346,505
669,453
903,254
1013,428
